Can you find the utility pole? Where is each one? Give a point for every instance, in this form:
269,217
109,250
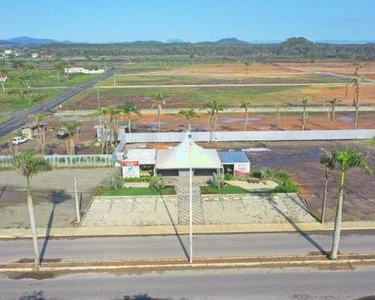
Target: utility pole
191,204
77,202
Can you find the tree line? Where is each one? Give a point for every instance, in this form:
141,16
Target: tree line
296,47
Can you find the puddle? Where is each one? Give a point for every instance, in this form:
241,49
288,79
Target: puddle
346,119
289,159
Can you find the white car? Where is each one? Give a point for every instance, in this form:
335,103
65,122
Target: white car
19,140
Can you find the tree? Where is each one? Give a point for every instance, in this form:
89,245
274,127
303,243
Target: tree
355,83
214,108
312,62
304,113
71,128
345,160
327,160
188,114
332,110
113,114
41,137
24,80
59,65
29,164
245,105
129,110
247,64
159,101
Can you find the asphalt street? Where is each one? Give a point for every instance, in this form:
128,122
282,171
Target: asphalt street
21,118
297,284
154,247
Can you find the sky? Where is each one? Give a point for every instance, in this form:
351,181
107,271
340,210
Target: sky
190,20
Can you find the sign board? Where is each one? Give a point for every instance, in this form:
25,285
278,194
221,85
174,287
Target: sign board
130,169
241,169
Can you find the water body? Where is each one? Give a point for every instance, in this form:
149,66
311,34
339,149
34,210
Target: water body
346,119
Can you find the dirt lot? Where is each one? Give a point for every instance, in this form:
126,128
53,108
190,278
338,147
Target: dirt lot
53,195
235,122
301,159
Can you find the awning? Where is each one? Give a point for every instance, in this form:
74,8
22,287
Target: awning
179,157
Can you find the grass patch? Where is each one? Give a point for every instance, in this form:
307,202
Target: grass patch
138,192
229,189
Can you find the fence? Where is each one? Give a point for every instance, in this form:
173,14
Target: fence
70,161
311,135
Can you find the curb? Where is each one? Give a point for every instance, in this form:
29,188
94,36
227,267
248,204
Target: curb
72,232
183,264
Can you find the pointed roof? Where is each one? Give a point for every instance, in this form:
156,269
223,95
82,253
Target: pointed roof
179,157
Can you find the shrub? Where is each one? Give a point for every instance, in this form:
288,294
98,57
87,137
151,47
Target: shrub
116,182
228,176
218,180
157,183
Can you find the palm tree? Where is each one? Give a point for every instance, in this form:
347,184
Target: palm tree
188,114
345,160
355,83
129,110
71,128
245,105
41,137
332,110
113,113
59,65
304,113
159,100
327,160
214,108
101,113
29,164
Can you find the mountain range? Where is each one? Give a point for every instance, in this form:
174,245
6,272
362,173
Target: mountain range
29,41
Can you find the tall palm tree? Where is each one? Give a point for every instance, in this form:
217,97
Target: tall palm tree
245,105
71,128
59,65
41,137
345,160
327,160
113,114
129,110
29,164
158,101
188,114
304,112
214,108
101,114
355,83
332,110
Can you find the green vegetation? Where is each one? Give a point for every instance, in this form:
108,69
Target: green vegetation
285,182
137,192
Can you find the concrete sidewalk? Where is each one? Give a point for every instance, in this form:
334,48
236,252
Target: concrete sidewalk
182,229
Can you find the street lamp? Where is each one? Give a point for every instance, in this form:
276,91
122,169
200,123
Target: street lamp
191,201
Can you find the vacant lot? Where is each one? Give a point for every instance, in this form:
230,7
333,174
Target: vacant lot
301,160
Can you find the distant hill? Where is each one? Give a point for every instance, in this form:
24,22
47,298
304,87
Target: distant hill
230,41
5,43
25,40
175,41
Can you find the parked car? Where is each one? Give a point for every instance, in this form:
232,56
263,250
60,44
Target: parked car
19,140
62,134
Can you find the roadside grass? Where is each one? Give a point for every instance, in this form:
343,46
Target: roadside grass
3,118
138,192
16,102
148,66
46,78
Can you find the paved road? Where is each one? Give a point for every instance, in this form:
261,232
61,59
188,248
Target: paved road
19,119
297,284
113,248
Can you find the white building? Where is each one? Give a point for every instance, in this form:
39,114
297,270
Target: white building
3,77
7,52
81,70
34,55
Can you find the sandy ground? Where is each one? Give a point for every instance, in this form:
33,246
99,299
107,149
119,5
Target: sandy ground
53,196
